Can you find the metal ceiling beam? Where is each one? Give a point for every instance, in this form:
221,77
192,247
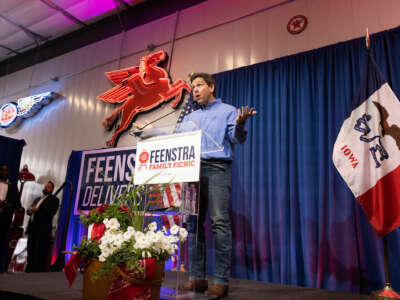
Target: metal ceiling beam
9,49
35,36
137,15
119,13
123,3
64,12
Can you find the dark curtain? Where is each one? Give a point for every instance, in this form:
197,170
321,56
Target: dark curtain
294,219
10,154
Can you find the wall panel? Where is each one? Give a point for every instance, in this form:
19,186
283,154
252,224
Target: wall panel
157,32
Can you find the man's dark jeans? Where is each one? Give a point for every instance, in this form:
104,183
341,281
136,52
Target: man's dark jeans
215,189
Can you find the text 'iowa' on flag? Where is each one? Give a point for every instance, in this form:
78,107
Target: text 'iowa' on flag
367,150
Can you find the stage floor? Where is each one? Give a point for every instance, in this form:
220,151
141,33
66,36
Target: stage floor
54,286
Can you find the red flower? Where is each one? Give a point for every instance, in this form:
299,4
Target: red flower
102,208
97,231
124,208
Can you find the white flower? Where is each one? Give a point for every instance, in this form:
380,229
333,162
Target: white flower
152,243
139,235
183,234
118,240
105,238
106,252
127,235
172,239
152,226
142,241
151,236
175,229
112,224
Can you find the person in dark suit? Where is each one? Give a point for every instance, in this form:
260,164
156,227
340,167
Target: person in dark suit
39,229
9,200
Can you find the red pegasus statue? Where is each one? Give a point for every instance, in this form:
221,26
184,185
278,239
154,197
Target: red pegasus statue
140,89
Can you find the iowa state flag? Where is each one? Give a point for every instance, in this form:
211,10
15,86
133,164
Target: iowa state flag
367,150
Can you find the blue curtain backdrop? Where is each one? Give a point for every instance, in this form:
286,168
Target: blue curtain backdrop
294,220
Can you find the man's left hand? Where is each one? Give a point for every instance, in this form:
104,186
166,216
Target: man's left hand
244,113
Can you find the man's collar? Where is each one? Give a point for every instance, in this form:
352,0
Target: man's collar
212,103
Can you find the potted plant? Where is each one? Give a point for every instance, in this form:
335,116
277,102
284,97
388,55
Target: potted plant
122,257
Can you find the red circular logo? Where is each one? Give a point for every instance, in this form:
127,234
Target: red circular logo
297,24
144,157
8,114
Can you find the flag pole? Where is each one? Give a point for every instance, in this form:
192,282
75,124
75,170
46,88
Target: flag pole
367,43
387,292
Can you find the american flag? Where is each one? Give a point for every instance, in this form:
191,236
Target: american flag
170,220
189,107
172,194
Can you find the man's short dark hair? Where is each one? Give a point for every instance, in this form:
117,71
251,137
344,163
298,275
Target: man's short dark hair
207,78
52,183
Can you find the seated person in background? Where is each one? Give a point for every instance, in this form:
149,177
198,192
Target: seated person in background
39,229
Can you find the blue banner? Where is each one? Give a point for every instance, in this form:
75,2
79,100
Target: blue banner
104,175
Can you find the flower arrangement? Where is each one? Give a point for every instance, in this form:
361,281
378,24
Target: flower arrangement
114,240
118,237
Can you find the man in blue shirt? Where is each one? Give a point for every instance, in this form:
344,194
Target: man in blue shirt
226,126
